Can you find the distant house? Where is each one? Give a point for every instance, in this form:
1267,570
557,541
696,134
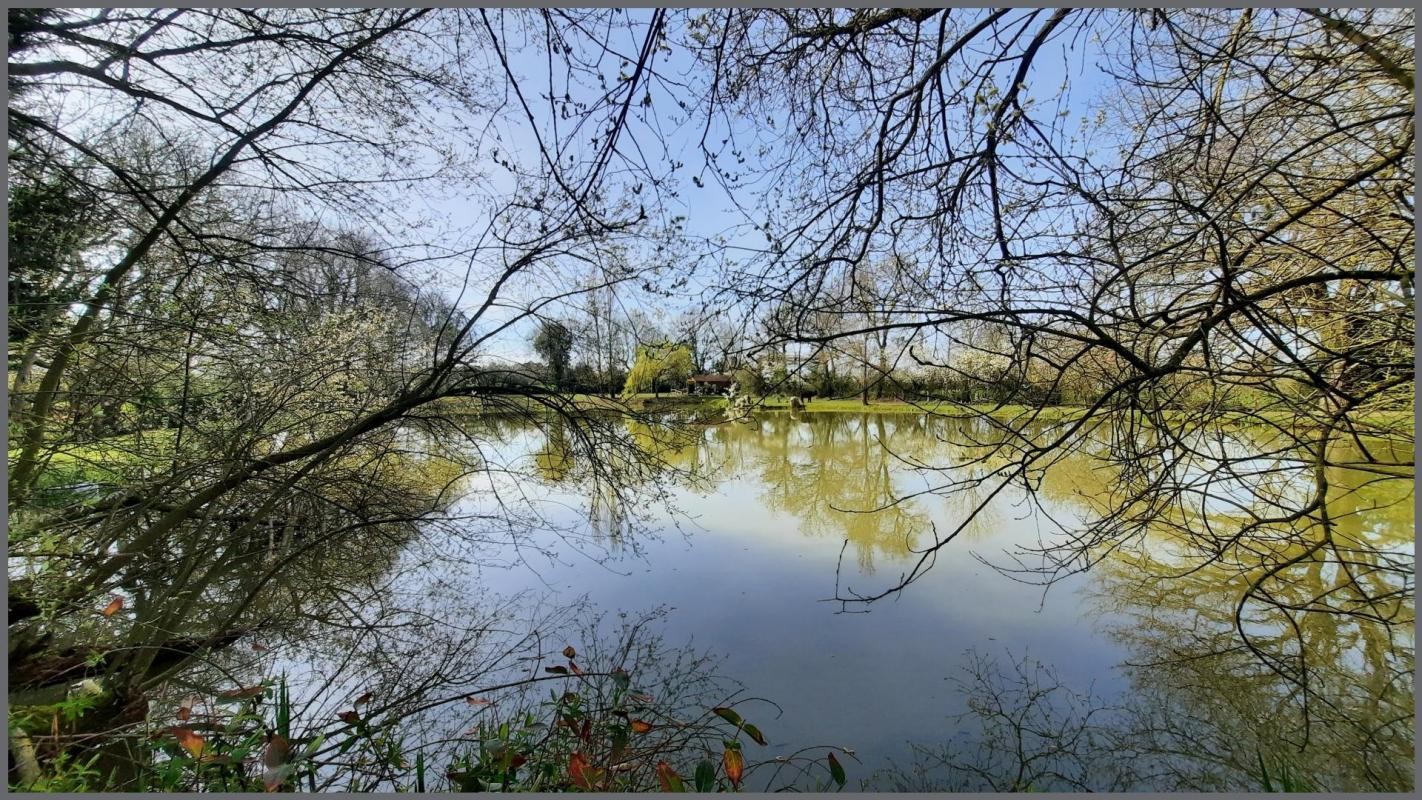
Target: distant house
712,383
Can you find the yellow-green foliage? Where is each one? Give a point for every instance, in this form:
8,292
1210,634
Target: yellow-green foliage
69,467
659,365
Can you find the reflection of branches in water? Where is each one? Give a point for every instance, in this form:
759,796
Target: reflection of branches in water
615,469
410,669
1031,733
838,482
1352,718
1302,535
838,474
1188,729
1299,589
1203,714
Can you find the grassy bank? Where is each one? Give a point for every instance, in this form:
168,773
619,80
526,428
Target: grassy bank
1399,420
846,405
589,402
1394,421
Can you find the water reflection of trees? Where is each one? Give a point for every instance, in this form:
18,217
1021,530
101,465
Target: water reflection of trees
835,477
1216,722
321,566
843,475
1292,592
1239,667
1319,604
1291,643
1300,673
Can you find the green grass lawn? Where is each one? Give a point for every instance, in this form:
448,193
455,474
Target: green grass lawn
854,404
1390,420
103,462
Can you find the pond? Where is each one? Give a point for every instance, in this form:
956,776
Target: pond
787,512
541,586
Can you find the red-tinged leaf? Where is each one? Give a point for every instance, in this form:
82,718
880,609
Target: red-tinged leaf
258,647
363,699
735,765
349,717
585,732
667,777
115,605
189,741
242,693
837,771
580,772
641,726
478,701
276,758
573,665
569,652
556,670
277,751
640,697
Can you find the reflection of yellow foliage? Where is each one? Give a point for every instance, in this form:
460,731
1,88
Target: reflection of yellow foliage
1324,603
838,474
837,477
554,460
1331,587
1331,689
424,479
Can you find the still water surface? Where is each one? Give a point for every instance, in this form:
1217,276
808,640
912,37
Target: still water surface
749,560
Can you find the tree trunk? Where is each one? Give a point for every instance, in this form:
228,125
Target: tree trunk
864,376
19,400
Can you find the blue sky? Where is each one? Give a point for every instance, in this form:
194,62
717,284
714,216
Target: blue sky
663,132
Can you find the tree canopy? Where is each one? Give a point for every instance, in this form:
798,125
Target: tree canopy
554,343
266,265
659,367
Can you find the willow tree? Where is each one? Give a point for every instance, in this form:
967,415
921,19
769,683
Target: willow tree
657,365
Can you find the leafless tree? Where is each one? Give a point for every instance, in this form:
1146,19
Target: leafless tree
253,368
1219,232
